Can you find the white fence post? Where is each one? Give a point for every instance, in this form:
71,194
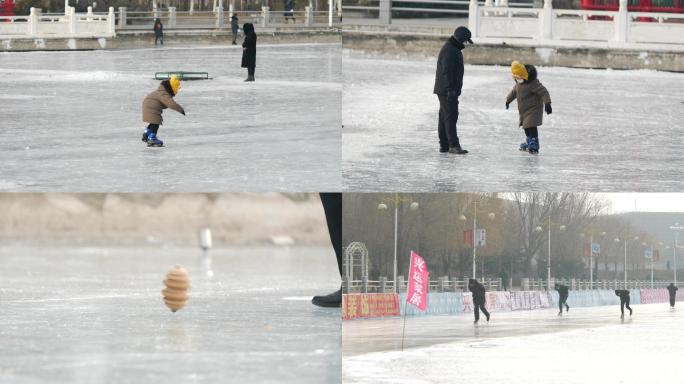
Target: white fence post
219,16
621,22
72,21
385,15
172,17
33,22
111,22
122,17
264,16
308,17
474,18
89,14
546,18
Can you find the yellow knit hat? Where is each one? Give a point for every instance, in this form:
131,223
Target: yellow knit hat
518,70
175,84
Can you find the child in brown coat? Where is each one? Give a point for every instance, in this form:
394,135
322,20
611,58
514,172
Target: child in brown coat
533,99
154,104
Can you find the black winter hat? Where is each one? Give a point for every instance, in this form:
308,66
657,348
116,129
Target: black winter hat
463,34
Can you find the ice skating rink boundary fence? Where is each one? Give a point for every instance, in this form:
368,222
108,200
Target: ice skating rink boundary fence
374,305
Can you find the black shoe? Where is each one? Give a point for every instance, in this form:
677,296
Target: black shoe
144,137
475,322
567,308
488,318
560,313
333,300
457,150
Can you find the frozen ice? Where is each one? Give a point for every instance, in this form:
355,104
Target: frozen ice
72,121
609,131
96,315
586,345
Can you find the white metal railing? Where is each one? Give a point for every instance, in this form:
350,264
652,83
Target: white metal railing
442,284
71,24
547,25
579,284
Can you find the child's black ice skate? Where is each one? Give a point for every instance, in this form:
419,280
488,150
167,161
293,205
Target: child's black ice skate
522,147
145,134
533,146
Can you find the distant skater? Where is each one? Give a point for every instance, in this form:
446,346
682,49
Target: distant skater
563,292
624,301
249,50
672,289
479,299
158,32
234,27
153,106
532,98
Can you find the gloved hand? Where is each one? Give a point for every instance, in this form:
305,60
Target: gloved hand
451,95
183,112
507,104
547,108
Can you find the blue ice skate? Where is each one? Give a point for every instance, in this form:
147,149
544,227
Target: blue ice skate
533,146
153,141
524,146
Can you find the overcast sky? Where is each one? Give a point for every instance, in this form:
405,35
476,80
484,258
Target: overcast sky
645,202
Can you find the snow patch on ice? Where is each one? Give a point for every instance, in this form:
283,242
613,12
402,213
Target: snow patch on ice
71,44
545,53
103,42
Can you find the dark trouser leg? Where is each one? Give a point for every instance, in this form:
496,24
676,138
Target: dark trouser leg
622,307
234,38
332,205
560,305
672,301
477,312
156,38
628,307
449,115
441,128
484,311
250,71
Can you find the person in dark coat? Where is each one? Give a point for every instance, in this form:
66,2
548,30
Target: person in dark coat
672,290
249,50
624,301
288,6
479,299
448,84
563,292
332,205
234,27
158,32
533,99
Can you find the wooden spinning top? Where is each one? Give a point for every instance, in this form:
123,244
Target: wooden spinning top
176,292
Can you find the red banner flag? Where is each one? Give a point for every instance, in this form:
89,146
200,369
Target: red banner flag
468,237
418,282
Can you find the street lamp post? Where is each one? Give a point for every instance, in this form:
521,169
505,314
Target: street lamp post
382,206
548,255
624,265
463,218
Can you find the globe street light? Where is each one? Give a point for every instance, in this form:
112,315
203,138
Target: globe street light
383,207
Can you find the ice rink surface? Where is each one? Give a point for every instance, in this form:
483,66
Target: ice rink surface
609,131
72,121
587,345
96,315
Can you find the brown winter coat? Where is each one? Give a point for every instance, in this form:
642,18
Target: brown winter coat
531,97
156,102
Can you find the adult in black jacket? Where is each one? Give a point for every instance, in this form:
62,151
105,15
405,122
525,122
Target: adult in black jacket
249,50
624,301
332,205
158,31
673,294
479,299
563,292
448,84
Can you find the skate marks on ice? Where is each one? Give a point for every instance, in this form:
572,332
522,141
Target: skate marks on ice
603,349
96,315
73,121
609,131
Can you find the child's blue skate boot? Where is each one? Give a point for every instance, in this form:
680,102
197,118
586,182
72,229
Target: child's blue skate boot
153,141
524,146
533,146
145,134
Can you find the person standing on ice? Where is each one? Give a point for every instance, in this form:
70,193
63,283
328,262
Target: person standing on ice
158,32
624,301
479,299
448,84
153,106
672,290
234,27
563,292
332,206
533,99
249,50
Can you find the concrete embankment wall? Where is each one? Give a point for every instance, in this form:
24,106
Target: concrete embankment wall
422,44
145,39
